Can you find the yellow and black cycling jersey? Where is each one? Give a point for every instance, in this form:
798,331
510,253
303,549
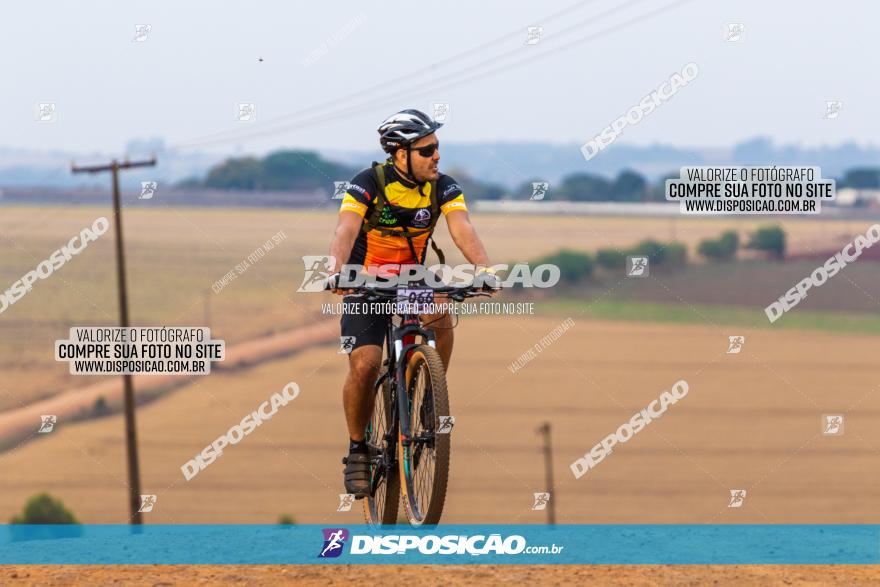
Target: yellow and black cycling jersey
405,208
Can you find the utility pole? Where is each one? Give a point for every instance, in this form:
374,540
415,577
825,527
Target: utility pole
548,472
134,476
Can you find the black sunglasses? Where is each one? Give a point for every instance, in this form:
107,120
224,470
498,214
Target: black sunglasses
427,150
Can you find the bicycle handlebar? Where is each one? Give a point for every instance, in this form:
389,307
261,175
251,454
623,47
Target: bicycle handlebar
378,292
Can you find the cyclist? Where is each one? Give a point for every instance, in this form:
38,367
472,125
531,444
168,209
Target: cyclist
387,216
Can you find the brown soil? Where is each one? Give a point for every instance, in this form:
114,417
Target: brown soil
271,575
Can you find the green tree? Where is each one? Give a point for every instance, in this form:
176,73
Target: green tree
574,266
770,239
676,255
730,241
656,192
722,248
45,509
281,170
301,170
238,174
654,250
629,187
585,187
711,248
611,259
861,177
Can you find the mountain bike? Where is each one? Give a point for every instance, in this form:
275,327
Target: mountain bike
408,432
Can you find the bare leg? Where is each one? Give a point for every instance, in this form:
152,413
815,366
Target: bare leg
357,393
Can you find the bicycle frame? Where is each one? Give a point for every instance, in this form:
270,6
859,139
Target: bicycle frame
399,342
404,338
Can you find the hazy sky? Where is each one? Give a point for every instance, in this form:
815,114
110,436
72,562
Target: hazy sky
201,58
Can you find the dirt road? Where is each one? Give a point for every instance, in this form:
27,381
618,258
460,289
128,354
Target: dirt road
20,424
316,575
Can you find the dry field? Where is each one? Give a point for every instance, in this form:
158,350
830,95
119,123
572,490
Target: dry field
175,255
750,421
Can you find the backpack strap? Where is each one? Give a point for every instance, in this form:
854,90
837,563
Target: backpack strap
372,222
435,216
438,250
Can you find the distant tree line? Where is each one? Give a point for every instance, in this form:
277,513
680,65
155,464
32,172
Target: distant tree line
860,178
308,171
579,266
282,170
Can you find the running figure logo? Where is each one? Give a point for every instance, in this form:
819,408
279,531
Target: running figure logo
46,112
736,344
147,503
541,500
533,35
141,32
334,540
539,189
346,500
318,268
246,112
148,189
446,424
832,424
735,31
346,344
737,497
637,266
441,111
47,424
832,109
339,189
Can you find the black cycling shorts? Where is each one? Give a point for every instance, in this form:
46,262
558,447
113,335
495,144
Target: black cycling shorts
368,325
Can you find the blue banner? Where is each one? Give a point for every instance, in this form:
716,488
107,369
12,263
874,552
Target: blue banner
453,544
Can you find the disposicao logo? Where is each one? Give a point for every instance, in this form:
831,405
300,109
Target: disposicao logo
334,540
431,544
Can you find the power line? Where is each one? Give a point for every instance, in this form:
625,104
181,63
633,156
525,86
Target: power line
434,86
429,69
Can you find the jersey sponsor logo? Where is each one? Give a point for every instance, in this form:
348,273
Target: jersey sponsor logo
422,218
356,188
387,216
354,206
451,188
453,204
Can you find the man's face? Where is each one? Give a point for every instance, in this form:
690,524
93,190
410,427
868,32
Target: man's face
425,167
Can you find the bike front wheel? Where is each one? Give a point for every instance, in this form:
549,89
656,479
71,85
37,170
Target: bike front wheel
424,462
380,507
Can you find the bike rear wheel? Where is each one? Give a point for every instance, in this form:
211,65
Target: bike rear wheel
424,464
380,507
